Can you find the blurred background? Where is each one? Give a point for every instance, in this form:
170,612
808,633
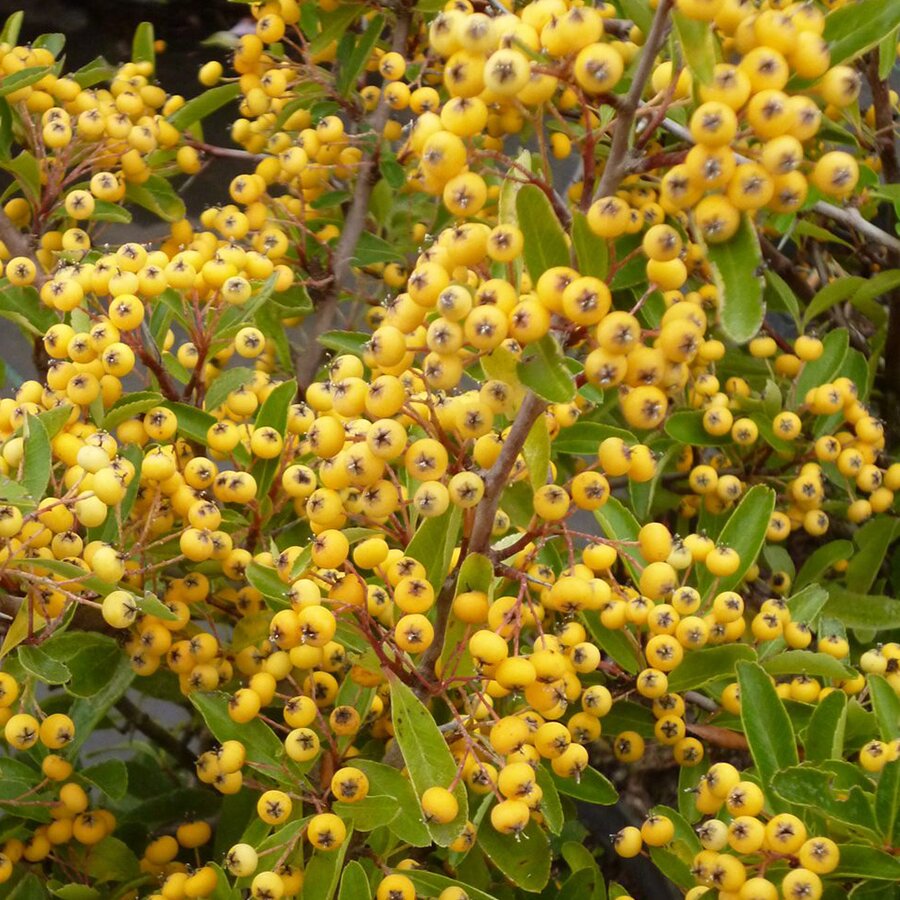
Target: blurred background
192,33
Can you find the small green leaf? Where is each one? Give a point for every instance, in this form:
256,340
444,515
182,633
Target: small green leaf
151,605
97,70
434,542
230,380
735,264
886,706
887,803
354,884
873,540
824,736
827,366
267,582
22,79
592,252
864,861
333,25
524,859
780,297
27,172
430,884
111,776
695,38
765,722
686,426
700,667
129,406
619,645
427,757
11,28
38,459
830,295
142,45
821,560
352,342
619,524
104,211
852,30
87,712
744,532
812,788
545,241
204,105
536,451
866,611
323,871
387,781
551,807
157,196
591,787
42,666
372,250
807,662
273,414
584,438
367,814
543,369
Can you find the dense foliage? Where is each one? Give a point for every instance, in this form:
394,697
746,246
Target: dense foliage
398,507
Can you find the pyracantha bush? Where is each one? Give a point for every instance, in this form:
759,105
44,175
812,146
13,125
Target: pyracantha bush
575,476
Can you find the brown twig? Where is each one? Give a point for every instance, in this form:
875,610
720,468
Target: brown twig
354,225
617,165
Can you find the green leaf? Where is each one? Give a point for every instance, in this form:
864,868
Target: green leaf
551,807
204,105
38,458
591,787
695,38
824,736
780,296
765,722
856,610
686,426
268,583
545,241
351,342
367,814
583,438
852,30
426,755
700,667
11,28
864,861
156,195
27,172
745,532
617,644
830,295
371,250
873,540
821,560
104,211
812,788
387,781
807,662
263,747
434,542
87,712
129,406
525,859
22,79
619,524
735,264
111,776
142,45
827,366
92,73
23,306
323,871
536,451
639,13
54,41
887,803
354,884
333,26
151,605
543,369
43,667
592,252
230,380
886,706
430,884
273,414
